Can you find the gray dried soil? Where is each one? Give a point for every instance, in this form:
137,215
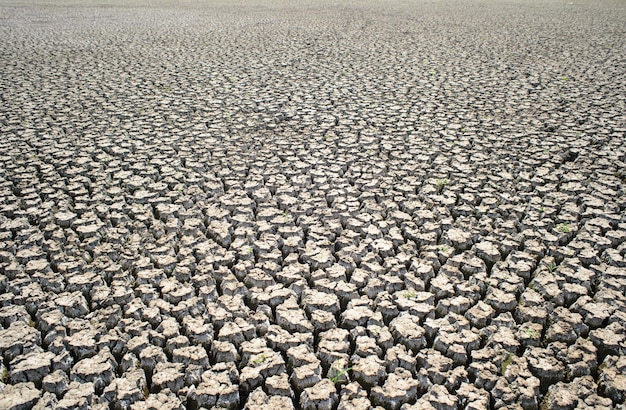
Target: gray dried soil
328,205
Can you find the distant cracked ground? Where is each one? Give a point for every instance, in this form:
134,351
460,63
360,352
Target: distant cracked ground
399,206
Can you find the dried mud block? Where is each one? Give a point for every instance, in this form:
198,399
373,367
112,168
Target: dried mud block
609,340
292,318
359,313
321,396
436,397
353,397
56,383
278,385
78,396
432,368
123,391
20,396
333,345
398,356
223,352
279,338
259,400
17,339
215,390
480,314
261,366
500,300
399,388
315,300
191,355
612,378
544,365
565,326
167,376
472,398
31,367
369,371
99,370
406,330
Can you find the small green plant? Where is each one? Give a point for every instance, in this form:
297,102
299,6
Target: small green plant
441,182
542,210
443,248
531,333
260,358
338,373
564,227
506,362
551,267
564,78
409,294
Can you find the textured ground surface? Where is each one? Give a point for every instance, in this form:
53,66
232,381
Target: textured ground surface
333,206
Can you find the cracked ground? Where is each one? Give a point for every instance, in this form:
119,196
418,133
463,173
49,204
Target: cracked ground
339,205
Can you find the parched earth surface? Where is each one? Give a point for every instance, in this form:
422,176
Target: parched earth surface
351,205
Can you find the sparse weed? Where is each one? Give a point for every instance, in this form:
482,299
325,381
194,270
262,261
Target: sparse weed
441,182
564,227
338,373
409,294
260,358
551,267
507,361
531,333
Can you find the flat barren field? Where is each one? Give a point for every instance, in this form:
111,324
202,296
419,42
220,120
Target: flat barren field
313,205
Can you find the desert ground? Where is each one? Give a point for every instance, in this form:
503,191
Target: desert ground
313,205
